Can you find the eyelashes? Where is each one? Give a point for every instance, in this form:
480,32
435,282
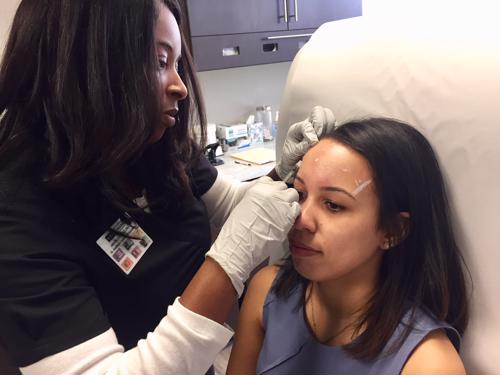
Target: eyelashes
163,63
334,207
329,205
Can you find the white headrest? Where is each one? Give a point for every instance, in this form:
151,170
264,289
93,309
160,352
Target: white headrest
441,75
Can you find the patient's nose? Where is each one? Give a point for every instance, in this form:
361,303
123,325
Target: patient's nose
306,219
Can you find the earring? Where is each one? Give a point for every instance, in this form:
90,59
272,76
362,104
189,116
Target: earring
386,244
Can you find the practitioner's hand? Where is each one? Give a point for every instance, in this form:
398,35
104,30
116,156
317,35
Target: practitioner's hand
300,137
255,227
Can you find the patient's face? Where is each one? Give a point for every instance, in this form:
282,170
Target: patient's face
336,235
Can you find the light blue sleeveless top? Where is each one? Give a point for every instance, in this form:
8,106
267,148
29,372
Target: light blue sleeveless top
290,348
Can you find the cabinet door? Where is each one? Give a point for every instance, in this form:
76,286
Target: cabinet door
218,17
308,14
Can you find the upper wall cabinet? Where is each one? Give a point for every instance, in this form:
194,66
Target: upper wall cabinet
232,33
218,17
307,14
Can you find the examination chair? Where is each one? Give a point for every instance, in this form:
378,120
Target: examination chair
440,74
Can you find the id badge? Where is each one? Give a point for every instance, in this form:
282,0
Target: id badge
125,243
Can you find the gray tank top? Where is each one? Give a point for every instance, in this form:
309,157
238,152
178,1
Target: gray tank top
290,348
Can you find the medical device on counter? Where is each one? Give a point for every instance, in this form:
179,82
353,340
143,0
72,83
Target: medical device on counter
230,134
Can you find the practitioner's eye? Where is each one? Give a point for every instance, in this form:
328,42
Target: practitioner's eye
162,62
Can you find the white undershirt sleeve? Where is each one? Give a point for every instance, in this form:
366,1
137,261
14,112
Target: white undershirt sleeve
183,343
223,196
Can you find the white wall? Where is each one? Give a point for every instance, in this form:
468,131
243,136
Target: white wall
7,10
232,94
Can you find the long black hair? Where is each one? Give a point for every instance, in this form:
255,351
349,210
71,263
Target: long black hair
79,94
424,268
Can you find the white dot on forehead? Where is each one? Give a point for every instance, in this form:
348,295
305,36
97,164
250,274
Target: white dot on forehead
316,160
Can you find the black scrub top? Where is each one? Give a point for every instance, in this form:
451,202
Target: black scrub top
58,288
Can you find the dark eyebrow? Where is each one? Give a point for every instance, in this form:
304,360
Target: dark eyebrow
330,188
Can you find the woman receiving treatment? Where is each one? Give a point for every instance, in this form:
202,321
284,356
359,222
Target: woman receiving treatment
375,281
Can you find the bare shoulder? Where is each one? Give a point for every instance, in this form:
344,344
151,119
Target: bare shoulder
265,276
250,332
261,283
434,355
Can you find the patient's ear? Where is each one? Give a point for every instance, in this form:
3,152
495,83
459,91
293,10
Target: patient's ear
400,233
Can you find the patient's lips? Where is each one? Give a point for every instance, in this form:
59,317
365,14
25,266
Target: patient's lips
300,250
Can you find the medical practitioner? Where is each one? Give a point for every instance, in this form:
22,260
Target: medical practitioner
106,200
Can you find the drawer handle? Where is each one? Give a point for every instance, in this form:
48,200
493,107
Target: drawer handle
286,36
270,47
231,51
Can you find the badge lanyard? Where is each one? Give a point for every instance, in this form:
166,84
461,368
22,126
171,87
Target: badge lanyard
125,242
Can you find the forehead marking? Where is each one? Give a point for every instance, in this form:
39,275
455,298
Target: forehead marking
361,187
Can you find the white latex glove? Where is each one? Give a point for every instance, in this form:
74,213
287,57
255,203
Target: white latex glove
300,137
255,227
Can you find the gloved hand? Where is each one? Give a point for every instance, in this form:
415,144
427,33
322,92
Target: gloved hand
300,137
256,226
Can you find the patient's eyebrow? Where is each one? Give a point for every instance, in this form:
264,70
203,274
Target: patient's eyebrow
330,188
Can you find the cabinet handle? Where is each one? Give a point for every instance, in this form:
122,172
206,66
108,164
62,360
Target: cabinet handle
285,6
286,36
296,15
